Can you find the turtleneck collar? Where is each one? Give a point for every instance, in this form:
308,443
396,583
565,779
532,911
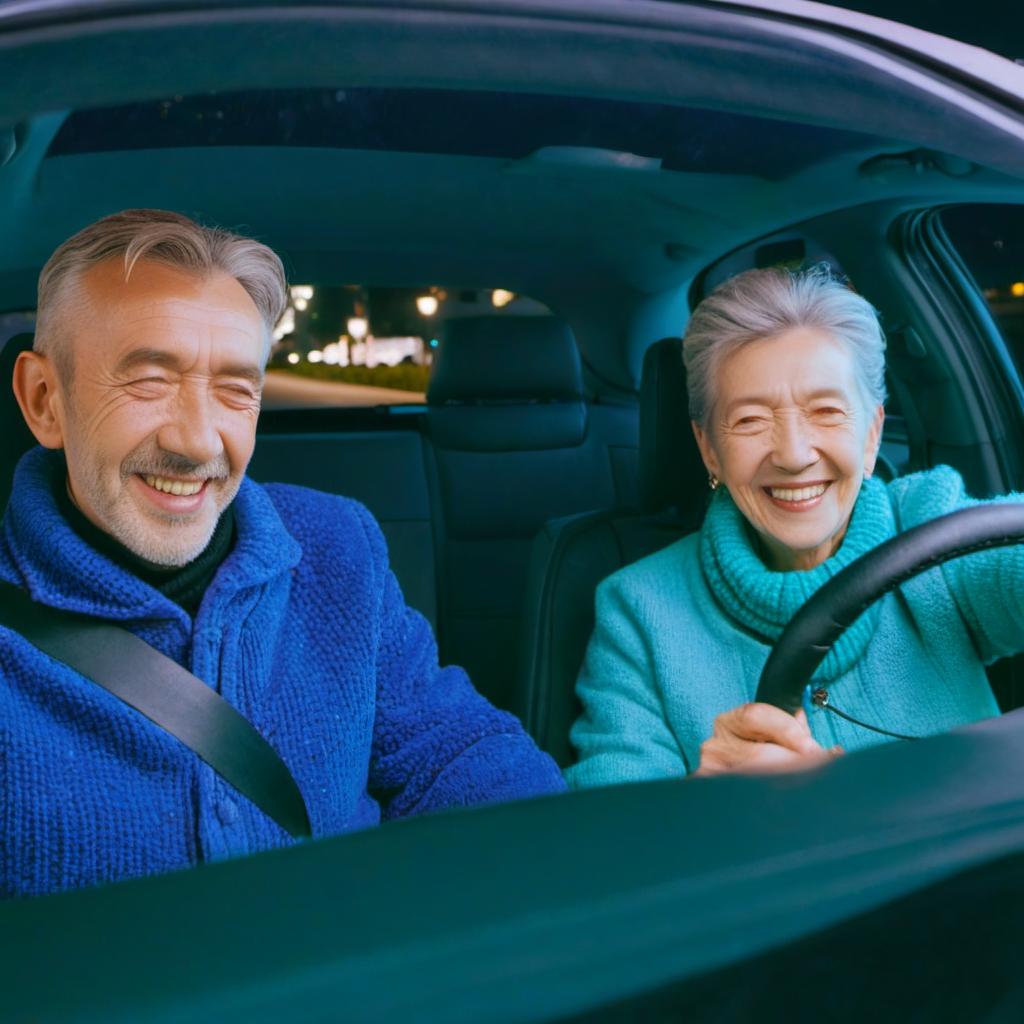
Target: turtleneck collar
183,584
761,600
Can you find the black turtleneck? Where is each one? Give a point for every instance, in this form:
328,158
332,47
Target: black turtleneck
183,584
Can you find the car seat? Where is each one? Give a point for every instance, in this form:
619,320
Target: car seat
570,556
515,442
17,438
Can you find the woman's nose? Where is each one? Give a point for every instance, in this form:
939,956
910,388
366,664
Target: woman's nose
794,448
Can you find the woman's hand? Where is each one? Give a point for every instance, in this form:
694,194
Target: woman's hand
761,738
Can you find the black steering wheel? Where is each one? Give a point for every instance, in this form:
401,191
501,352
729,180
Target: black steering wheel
830,610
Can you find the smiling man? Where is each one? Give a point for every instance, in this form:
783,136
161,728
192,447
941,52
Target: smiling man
143,391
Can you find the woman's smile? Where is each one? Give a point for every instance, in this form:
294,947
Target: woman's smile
798,497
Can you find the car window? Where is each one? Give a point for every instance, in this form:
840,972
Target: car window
463,122
990,240
787,249
357,345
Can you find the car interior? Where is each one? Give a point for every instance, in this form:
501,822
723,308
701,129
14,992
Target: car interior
550,449
610,162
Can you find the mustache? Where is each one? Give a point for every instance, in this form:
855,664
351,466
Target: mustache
154,461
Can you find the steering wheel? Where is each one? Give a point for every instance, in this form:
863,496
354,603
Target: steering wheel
814,629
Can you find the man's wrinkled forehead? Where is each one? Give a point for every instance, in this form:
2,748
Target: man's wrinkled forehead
163,305
178,318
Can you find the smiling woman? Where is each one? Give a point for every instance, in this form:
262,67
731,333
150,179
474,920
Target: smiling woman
788,416
786,390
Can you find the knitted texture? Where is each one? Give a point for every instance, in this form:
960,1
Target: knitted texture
764,600
303,629
678,640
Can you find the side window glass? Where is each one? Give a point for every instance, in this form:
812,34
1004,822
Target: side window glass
990,240
787,250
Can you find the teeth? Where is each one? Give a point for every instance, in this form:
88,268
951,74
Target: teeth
182,487
797,494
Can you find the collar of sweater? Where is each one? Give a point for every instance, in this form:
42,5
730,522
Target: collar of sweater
762,601
184,584
60,569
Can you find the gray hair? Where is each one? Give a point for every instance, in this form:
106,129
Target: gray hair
760,304
163,237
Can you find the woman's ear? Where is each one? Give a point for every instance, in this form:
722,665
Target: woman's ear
707,452
36,389
873,441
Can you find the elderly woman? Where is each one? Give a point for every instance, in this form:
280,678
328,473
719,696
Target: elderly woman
786,386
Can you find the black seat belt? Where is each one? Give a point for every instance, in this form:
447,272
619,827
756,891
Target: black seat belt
168,695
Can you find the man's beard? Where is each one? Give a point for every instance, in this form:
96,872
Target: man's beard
163,539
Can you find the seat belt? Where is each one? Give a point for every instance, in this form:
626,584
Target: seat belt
168,695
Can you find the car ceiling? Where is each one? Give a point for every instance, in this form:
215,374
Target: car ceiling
573,225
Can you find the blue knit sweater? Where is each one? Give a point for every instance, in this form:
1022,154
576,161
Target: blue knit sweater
303,629
682,636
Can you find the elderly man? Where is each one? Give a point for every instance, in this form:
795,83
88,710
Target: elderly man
143,391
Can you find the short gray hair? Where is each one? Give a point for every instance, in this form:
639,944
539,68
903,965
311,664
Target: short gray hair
163,237
760,304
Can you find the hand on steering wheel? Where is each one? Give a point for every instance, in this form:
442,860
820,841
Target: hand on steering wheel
756,738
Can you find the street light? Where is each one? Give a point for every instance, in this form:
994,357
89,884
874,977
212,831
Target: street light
358,326
426,304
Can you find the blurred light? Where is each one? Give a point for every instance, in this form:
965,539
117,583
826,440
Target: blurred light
358,327
332,354
293,357
426,304
434,342
500,297
1017,288
316,356
286,324
302,291
301,304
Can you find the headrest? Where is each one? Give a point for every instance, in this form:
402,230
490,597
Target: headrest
671,471
13,429
504,383
506,358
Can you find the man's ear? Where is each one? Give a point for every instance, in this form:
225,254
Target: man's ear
36,389
707,452
873,441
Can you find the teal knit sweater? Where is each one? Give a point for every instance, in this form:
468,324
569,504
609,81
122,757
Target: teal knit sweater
682,636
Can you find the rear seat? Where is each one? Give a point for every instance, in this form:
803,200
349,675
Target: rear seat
514,444
507,442
385,470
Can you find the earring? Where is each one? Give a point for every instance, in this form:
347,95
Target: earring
712,481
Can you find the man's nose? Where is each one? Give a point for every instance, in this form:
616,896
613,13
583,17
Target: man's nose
192,430
794,448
